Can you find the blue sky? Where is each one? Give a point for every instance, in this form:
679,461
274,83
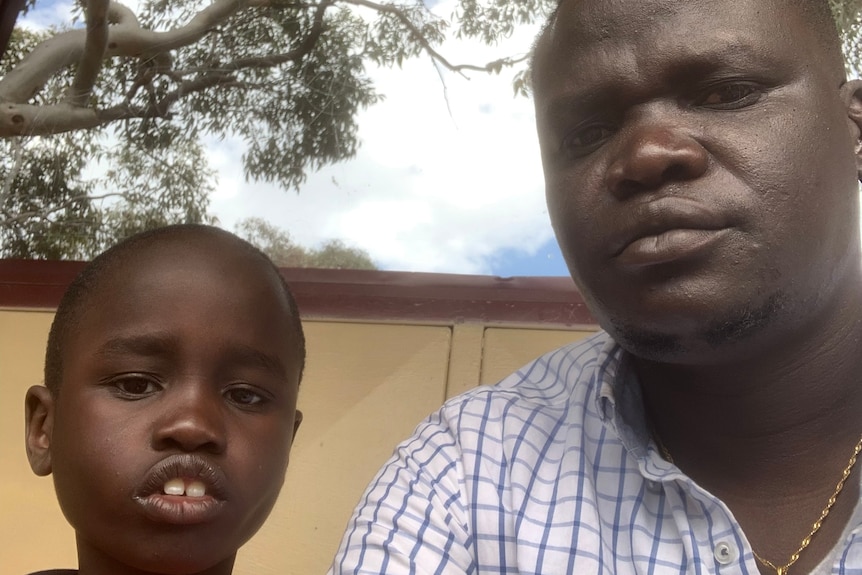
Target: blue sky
546,261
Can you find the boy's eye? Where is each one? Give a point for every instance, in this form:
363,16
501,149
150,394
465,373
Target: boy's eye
244,396
135,387
730,96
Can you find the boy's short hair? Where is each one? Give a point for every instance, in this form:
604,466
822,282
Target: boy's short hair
77,295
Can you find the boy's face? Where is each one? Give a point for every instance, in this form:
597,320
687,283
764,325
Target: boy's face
179,377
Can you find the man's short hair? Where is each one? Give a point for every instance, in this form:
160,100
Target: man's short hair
77,296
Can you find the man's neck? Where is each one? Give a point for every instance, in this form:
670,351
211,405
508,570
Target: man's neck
776,411
770,435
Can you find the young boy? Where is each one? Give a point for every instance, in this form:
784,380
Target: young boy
169,404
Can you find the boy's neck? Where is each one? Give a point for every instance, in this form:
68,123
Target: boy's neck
94,561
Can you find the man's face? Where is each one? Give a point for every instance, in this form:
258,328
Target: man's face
176,411
699,165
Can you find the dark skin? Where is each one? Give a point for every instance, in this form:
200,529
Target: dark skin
701,168
184,369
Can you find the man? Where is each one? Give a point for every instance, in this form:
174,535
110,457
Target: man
701,162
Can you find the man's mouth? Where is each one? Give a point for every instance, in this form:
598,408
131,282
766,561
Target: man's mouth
666,230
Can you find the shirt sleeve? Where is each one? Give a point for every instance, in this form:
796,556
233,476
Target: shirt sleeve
413,517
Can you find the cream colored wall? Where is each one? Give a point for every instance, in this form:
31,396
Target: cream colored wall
367,385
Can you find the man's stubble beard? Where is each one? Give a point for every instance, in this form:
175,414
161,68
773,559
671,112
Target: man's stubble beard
735,328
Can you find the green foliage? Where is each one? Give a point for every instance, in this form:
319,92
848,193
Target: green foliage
44,201
280,247
848,16
491,20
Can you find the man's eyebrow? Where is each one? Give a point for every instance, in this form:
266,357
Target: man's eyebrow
144,344
737,58
578,103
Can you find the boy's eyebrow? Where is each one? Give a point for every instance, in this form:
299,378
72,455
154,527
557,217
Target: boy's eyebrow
146,344
165,344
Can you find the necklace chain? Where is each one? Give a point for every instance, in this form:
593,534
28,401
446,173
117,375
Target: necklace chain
815,527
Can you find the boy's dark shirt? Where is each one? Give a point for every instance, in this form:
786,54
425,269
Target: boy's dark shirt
57,572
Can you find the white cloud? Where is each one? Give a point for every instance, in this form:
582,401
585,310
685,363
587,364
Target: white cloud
429,190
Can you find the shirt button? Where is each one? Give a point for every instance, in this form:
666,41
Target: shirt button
724,553
653,486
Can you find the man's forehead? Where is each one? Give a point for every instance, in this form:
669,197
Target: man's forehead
611,40
597,20
587,22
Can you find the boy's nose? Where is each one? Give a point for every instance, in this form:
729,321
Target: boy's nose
191,420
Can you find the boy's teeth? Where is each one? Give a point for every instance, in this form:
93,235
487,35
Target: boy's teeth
196,489
177,486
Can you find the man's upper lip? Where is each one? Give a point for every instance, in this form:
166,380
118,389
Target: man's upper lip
655,217
187,466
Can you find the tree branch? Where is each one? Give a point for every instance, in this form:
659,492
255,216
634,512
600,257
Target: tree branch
494,66
94,53
304,47
18,156
32,120
125,38
45,213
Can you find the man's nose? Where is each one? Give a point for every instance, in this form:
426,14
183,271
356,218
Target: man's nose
653,153
192,419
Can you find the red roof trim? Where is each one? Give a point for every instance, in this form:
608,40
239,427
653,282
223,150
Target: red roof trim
360,294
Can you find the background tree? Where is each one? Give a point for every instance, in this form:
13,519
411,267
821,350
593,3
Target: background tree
848,16
280,247
140,90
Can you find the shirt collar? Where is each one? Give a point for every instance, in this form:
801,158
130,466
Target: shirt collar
619,402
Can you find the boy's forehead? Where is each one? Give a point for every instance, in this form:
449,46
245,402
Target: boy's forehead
206,260
170,283
205,249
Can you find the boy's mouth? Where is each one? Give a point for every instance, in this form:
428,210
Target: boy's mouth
187,487
182,490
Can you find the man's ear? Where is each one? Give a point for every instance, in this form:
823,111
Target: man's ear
851,93
296,423
39,424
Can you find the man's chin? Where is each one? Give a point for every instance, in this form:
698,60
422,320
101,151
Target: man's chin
692,341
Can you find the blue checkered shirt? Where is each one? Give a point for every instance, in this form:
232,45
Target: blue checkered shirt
550,471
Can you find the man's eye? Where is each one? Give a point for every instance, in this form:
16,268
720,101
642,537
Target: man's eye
585,139
244,396
135,387
731,96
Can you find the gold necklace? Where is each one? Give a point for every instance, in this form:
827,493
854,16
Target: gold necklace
782,569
